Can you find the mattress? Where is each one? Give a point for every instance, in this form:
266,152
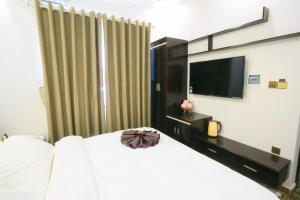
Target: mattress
102,168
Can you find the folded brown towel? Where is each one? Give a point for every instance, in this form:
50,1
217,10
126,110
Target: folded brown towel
139,139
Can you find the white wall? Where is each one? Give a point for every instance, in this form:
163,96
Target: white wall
191,19
21,109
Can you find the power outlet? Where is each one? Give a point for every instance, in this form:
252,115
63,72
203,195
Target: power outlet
275,150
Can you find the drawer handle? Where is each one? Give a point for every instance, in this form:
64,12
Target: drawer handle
211,150
250,168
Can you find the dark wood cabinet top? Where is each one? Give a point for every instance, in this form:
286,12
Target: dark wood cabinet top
189,117
266,159
170,42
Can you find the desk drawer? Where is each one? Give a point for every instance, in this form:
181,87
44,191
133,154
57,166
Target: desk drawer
257,172
264,167
248,168
220,155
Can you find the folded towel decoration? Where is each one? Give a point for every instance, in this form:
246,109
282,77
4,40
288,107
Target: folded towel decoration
139,139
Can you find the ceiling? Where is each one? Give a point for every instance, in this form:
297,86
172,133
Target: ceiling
139,2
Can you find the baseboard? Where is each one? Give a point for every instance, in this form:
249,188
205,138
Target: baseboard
287,190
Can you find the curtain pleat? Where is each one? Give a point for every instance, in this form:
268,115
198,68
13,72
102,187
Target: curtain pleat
72,71
55,80
148,75
123,81
129,69
100,71
113,78
143,74
85,66
94,80
75,96
67,89
137,74
108,103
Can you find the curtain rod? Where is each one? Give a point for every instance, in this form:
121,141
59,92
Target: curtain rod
65,10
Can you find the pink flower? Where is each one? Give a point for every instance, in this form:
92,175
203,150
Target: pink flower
183,106
187,105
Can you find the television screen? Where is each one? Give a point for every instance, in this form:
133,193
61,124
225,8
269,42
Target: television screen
222,77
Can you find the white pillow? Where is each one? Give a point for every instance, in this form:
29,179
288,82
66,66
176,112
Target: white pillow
25,163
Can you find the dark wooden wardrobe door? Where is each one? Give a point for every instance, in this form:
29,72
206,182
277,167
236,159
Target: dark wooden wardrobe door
168,79
176,75
158,62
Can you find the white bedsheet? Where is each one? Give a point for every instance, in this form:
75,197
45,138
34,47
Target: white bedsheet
72,175
167,171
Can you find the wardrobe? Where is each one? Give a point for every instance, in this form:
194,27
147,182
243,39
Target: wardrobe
168,79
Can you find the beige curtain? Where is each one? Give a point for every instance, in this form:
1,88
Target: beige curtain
72,71
127,74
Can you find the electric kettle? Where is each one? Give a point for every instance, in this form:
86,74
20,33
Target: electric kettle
214,127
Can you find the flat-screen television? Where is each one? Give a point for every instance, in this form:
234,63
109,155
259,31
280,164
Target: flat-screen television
222,77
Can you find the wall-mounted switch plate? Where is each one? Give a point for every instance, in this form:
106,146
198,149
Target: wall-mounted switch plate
282,84
158,87
191,89
275,150
254,79
273,84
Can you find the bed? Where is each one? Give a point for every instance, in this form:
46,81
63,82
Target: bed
101,168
